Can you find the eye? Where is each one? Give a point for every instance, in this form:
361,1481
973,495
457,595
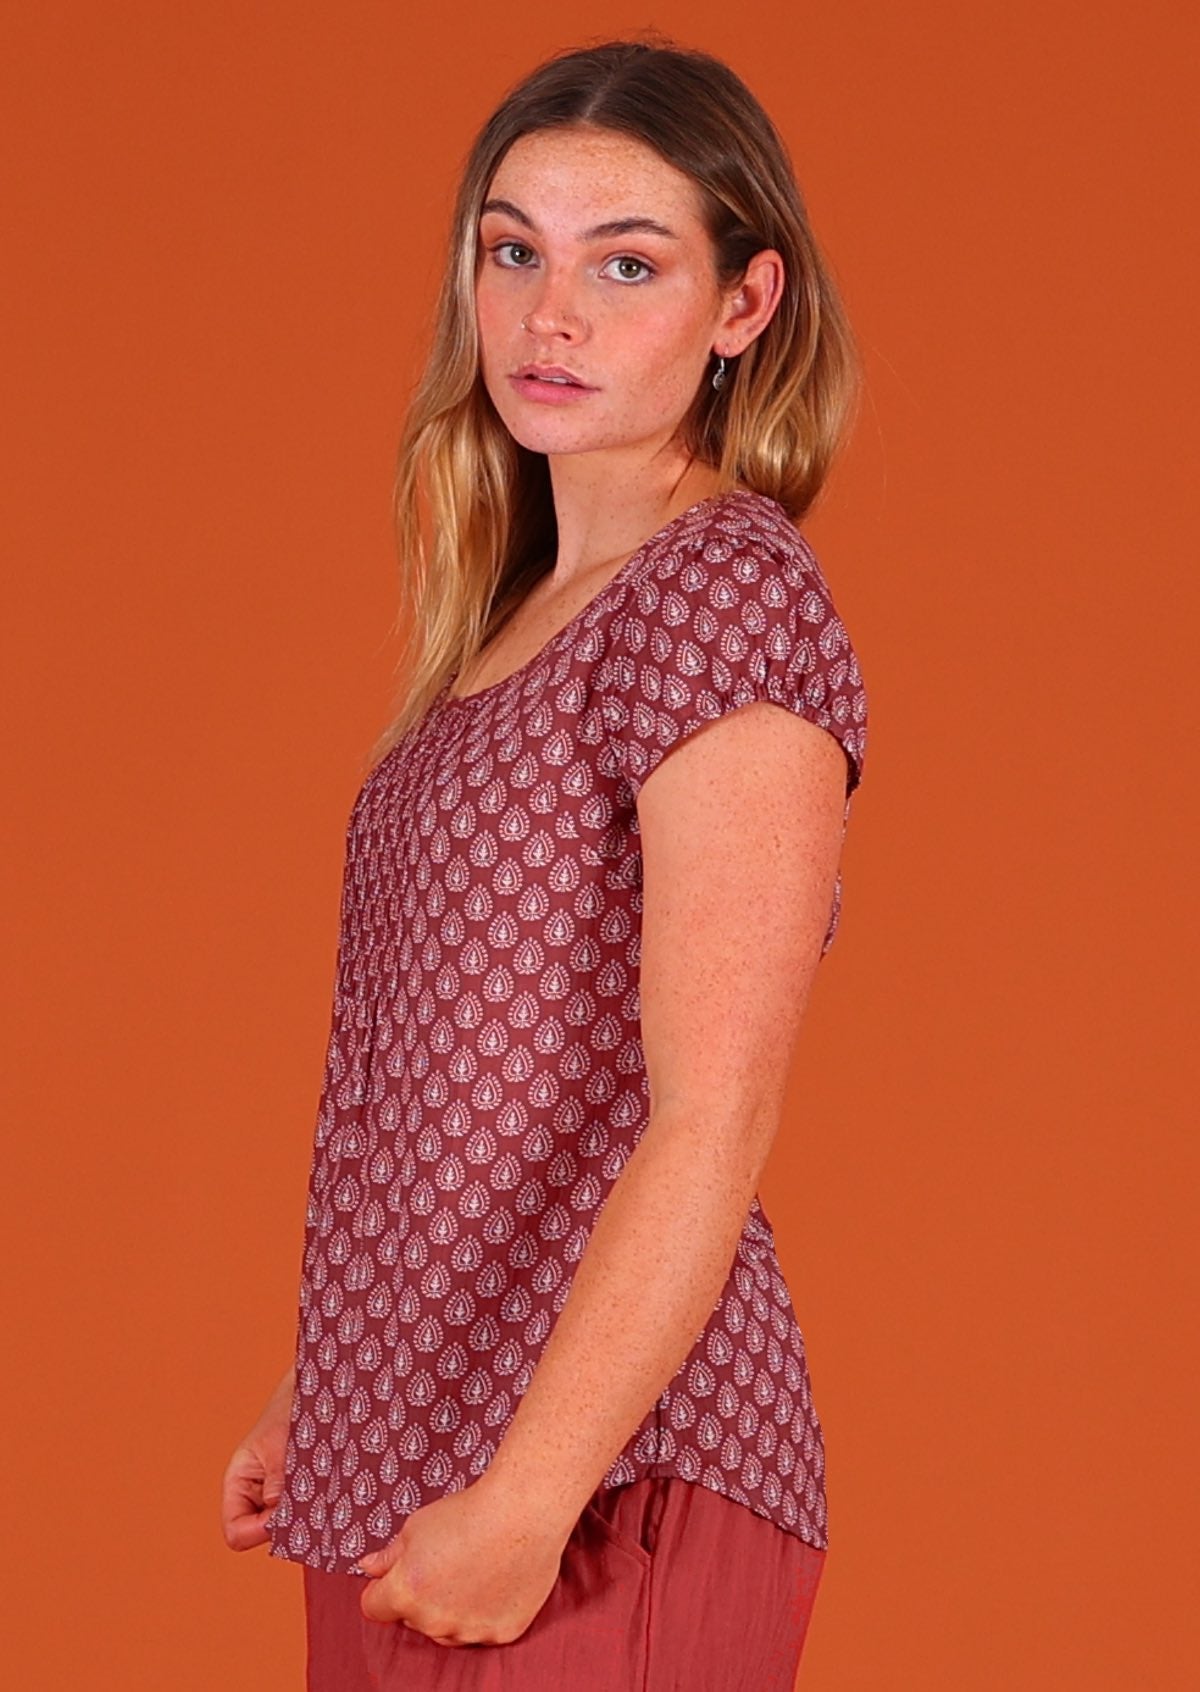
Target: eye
515,262
628,258
520,247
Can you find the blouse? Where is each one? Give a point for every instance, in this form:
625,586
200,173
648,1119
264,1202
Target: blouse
484,1080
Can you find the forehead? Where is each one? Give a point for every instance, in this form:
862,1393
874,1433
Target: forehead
576,176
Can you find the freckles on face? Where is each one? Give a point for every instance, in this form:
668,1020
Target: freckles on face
630,311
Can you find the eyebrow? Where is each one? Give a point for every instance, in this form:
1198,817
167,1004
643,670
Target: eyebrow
615,226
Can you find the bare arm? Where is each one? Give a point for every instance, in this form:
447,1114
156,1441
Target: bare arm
741,834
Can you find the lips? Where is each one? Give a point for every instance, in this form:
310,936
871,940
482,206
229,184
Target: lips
553,374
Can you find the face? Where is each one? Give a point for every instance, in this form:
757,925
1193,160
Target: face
630,311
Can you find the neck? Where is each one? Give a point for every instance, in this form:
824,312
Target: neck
604,511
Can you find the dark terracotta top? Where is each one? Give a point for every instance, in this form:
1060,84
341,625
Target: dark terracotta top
485,1082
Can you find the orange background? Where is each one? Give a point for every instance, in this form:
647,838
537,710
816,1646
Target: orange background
227,226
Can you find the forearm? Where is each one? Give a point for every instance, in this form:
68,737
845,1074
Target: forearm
280,1402
657,1258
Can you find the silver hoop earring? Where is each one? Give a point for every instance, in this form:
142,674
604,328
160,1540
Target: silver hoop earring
719,374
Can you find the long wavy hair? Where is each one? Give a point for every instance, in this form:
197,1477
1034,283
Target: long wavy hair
475,521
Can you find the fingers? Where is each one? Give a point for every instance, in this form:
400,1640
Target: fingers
244,1533
376,1604
244,1522
247,1504
378,1607
377,1563
243,1518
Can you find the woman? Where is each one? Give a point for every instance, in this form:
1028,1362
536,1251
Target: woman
550,1397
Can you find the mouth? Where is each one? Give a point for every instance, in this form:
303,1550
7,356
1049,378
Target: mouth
553,375
548,384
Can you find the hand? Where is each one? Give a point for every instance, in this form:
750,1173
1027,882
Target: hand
254,1479
472,1568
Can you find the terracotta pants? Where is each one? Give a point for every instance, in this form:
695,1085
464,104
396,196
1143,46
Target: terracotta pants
665,1586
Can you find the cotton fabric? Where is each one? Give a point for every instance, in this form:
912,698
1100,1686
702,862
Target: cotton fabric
485,1082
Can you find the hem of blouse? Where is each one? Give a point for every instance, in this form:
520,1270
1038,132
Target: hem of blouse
655,1471
330,1566
665,1471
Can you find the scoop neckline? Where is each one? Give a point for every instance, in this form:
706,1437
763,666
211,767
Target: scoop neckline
448,701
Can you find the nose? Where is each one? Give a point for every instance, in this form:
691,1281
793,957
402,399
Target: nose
552,313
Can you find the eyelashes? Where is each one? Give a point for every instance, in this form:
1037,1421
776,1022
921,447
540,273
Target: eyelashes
618,258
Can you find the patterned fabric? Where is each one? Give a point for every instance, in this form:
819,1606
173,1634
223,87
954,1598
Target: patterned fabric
485,1082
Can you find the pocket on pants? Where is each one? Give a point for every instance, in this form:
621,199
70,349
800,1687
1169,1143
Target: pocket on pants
599,1609
617,1537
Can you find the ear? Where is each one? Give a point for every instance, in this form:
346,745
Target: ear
750,304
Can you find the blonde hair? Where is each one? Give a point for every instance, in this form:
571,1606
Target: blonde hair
474,514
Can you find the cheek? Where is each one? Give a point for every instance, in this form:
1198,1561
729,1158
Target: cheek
491,317
660,359
663,332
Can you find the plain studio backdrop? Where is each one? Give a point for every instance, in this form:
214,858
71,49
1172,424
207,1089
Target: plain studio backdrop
222,235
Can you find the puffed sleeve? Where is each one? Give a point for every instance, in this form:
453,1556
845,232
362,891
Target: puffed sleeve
733,619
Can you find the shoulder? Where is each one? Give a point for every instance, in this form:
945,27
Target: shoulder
734,608
740,576
733,553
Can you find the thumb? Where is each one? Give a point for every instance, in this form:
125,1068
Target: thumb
377,1563
273,1488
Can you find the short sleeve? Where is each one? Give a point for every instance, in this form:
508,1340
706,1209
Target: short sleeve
734,619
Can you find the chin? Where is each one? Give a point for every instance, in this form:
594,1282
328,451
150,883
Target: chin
548,438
